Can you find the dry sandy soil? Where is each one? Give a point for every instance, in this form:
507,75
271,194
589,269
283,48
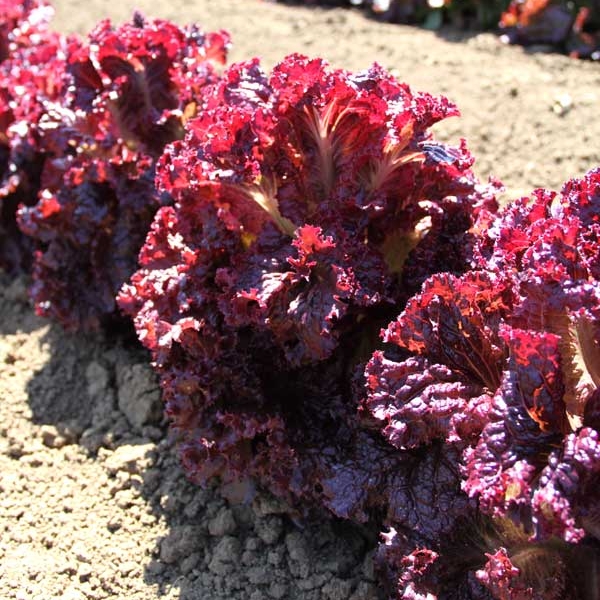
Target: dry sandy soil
92,501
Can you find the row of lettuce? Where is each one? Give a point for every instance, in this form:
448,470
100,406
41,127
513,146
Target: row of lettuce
569,26
337,309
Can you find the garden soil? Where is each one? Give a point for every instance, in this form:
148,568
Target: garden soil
93,503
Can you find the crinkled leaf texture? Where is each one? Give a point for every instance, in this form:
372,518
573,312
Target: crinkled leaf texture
502,364
309,204
91,230
145,78
31,75
485,559
21,22
127,93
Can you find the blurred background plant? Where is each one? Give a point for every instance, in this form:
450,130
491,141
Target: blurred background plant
569,26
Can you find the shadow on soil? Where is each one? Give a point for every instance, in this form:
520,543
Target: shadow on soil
104,397
15,310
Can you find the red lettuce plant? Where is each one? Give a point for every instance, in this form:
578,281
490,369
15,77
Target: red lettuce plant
572,26
21,22
503,367
129,93
309,204
536,22
31,75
